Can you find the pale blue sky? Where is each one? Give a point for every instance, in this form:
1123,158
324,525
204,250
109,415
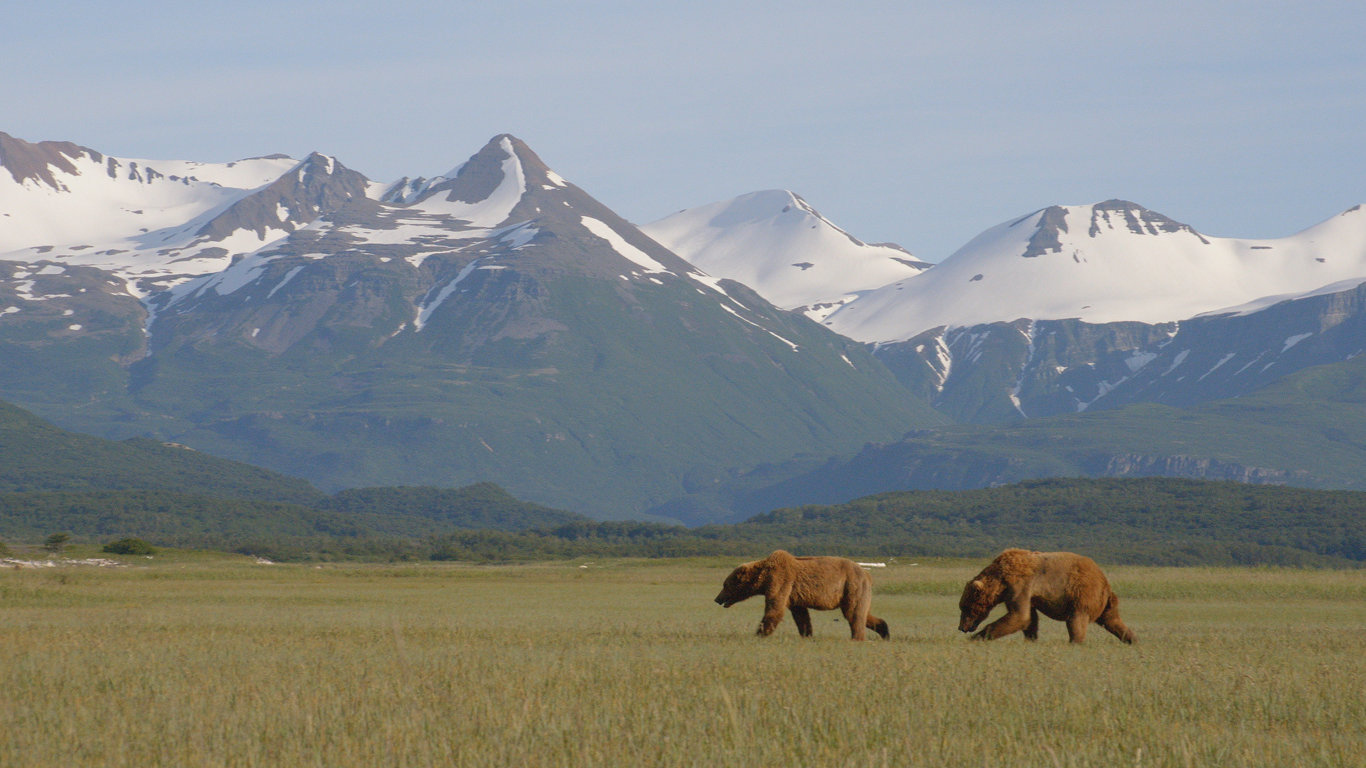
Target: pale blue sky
913,122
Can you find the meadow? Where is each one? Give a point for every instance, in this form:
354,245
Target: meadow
206,660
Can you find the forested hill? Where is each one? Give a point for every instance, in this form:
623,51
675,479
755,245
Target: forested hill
1149,520
36,456
366,523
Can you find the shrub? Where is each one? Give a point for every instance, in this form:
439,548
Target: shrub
129,547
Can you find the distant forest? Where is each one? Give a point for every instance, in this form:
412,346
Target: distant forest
1159,521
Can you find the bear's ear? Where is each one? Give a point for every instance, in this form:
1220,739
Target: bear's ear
979,584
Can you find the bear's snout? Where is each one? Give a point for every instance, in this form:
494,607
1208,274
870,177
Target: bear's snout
722,601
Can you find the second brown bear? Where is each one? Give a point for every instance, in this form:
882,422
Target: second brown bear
1060,585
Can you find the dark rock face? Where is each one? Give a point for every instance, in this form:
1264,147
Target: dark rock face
1138,219
26,161
1046,237
1190,467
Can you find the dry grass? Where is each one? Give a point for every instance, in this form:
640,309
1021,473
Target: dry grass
630,663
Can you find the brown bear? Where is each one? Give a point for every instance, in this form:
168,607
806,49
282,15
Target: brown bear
1060,585
801,584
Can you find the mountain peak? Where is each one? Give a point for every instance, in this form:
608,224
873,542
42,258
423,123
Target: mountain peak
777,243
1054,223
1135,218
317,185
483,190
475,179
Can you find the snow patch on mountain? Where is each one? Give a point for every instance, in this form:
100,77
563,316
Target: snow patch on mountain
133,217
624,249
121,203
429,306
290,275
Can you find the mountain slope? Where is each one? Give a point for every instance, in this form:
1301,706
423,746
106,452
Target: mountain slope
776,243
1108,262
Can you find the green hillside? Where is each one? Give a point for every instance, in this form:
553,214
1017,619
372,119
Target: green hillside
349,524
36,456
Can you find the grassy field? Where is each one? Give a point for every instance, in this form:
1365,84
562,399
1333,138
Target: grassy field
213,661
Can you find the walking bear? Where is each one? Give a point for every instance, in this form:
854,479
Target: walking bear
802,584
1060,585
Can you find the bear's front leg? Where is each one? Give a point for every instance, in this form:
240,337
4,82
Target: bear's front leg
1008,624
775,605
802,617
1017,618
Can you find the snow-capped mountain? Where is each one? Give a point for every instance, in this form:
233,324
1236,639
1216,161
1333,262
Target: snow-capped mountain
491,323
1107,262
774,242
499,210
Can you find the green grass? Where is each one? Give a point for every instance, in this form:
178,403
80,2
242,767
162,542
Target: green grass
195,659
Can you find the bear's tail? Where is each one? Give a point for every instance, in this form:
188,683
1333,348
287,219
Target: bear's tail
878,625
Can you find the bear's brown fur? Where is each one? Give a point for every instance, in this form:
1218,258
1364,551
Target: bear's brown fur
802,584
1060,585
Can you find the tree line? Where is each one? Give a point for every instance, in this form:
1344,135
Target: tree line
1159,521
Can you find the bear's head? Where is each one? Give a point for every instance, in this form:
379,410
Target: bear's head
979,597
743,582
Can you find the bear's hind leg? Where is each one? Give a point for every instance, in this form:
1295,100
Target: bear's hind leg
1076,627
857,616
1113,624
